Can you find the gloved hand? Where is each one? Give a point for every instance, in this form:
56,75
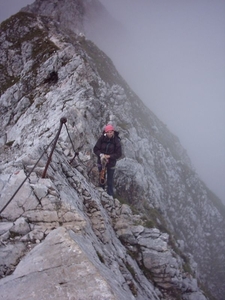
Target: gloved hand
104,158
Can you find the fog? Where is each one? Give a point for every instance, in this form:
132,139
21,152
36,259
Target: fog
11,7
173,57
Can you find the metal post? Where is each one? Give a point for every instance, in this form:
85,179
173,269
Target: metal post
62,121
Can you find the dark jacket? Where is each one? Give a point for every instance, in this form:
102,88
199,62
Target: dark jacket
109,146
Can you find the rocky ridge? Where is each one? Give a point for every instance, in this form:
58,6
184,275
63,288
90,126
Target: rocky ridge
64,216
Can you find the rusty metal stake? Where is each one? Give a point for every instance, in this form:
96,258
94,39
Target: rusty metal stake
62,121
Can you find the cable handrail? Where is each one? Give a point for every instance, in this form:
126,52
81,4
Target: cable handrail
54,142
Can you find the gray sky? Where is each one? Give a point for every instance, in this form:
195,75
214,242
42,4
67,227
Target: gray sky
11,7
174,59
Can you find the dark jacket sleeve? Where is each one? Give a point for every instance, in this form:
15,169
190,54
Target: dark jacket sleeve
97,147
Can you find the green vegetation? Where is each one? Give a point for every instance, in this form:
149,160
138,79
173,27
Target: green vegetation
9,80
149,224
19,19
153,218
130,269
121,199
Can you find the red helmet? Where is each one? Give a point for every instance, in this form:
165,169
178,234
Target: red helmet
109,127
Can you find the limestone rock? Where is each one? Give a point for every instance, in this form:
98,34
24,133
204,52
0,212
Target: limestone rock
62,235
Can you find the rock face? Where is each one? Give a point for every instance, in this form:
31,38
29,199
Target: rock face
162,237
73,15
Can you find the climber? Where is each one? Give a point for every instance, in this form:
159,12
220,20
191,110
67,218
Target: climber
108,150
